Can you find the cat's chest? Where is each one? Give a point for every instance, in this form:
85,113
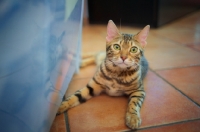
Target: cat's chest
116,83
113,89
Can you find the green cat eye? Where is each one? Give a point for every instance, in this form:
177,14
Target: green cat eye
116,47
134,50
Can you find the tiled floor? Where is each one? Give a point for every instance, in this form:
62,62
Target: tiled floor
172,85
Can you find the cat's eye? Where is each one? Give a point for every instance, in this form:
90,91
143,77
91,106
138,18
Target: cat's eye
116,47
134,50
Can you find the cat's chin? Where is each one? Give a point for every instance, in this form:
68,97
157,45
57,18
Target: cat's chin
122,65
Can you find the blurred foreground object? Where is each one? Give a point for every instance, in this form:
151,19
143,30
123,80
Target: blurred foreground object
39,53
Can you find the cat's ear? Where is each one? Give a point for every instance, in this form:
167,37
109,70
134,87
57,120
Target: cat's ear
142,36
112,31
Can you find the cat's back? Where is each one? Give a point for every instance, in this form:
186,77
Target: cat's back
144,66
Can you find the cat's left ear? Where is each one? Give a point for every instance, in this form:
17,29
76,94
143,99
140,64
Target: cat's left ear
142,36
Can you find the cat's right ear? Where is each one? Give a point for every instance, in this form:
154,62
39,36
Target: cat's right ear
112,31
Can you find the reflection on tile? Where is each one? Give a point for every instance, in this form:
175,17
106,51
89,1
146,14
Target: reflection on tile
185,79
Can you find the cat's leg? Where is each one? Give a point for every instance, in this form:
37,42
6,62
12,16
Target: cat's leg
91,58
136,99
88,55
100,57
80,96
87,61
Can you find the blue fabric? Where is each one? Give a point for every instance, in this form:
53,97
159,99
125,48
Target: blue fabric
38,46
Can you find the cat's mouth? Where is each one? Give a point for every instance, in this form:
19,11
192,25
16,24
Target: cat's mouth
122,65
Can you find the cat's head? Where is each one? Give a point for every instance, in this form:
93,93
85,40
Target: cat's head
125,50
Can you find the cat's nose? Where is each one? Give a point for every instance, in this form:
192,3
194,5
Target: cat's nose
123,58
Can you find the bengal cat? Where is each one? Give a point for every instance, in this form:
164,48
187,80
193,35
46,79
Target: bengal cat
121,73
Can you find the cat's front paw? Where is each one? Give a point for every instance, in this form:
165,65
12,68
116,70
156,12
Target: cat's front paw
133,121
63,107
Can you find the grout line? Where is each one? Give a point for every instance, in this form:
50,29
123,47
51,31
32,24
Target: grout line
175,87
67,122
187,45
162,125
167,39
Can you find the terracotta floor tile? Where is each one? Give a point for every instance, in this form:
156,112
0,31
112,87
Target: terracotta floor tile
59,124
185,79
87,117
130,29
191,126
85,72
102,113
93,116
94,45
194,46
184,31
163,105
94,38
190,21
162,53
75,85
180,35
